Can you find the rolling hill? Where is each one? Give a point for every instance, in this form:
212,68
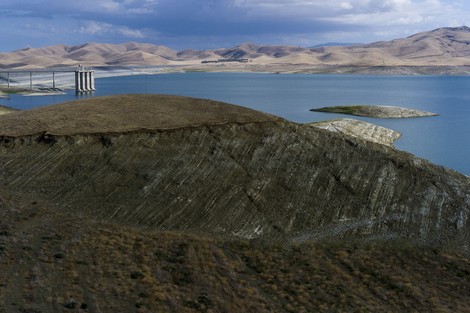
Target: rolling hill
440,47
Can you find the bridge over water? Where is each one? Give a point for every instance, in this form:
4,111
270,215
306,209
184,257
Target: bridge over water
84,77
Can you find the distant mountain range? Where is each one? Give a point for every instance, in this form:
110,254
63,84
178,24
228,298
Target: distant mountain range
336,44
440,47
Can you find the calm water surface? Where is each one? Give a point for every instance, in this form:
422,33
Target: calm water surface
444,139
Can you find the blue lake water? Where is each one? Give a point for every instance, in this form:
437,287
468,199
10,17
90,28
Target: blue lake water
443,139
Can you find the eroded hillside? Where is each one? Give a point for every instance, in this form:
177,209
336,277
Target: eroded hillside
147,204
173,163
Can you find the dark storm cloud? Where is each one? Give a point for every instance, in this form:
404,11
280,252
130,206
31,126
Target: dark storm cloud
211,21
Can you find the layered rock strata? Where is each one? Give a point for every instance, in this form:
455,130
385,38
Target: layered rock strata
174,163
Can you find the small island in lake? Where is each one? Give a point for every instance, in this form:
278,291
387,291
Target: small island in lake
379,111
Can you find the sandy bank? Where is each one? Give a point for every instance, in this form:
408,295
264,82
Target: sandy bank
66,81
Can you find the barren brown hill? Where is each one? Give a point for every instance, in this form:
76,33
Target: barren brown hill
438,48
172,204
91,54
253,51
443,46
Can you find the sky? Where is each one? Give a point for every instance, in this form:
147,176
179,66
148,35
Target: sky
209,24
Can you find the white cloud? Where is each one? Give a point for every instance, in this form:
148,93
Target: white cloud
403,16
333,8
95,28
104,29
130,33
140,11
346,6
110,5
363,20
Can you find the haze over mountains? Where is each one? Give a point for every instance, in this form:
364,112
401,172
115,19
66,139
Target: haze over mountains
439,47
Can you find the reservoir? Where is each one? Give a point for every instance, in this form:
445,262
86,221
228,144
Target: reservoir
444,140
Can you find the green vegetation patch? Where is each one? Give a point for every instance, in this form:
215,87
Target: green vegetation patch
380,111
359,110
12,90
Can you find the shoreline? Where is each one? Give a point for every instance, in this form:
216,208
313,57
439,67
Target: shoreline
66,80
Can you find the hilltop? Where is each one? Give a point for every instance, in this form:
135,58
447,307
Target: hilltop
153,203
444,50
126,113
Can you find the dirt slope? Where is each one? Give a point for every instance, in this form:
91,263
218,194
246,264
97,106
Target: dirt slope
225,170
59,262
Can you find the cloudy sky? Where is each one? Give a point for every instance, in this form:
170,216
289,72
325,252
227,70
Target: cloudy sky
200,24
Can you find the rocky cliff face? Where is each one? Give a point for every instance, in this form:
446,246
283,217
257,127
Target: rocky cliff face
248,177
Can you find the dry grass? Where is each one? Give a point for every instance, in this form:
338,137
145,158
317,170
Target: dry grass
125,113
54,262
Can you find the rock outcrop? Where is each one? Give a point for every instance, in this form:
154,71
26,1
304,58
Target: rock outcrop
174,163
360,129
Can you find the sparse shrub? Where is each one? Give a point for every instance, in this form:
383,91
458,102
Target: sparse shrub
70,304
137,275
59,255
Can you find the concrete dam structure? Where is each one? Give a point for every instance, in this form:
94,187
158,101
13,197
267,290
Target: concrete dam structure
84,79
